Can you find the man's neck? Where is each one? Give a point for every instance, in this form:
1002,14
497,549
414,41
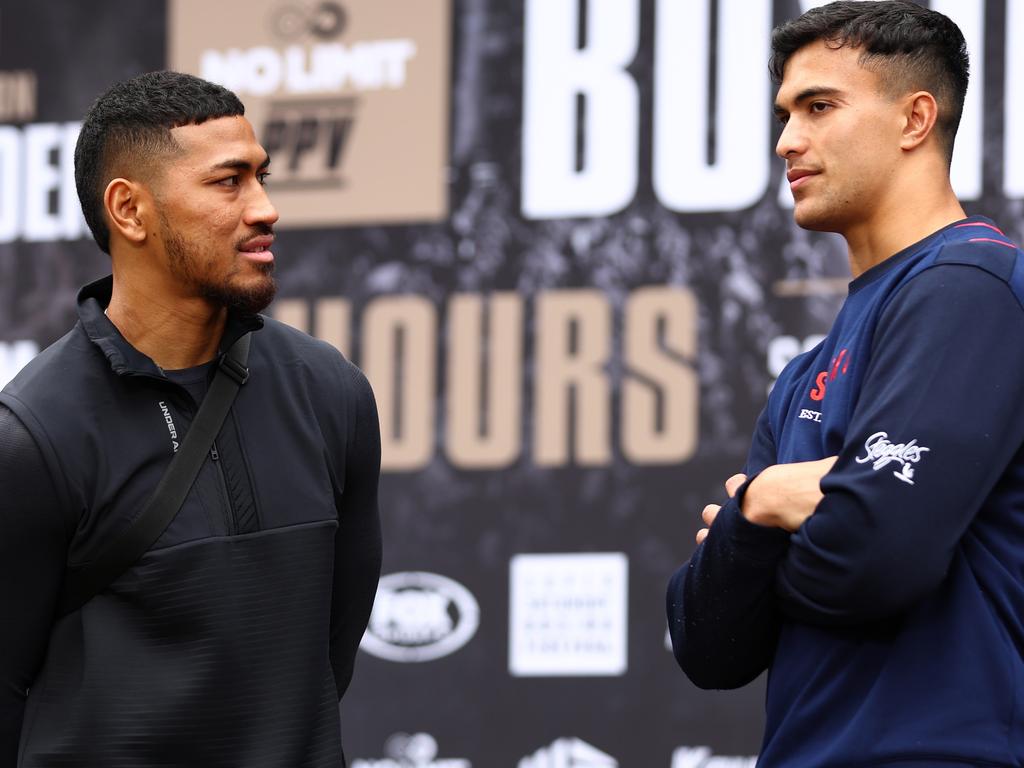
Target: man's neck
173,333
896,226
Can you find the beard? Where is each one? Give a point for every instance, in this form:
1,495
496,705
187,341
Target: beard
248,294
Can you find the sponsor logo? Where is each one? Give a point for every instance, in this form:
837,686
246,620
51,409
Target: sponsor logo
170,425
569,753
324,21
420,616
568,615
311,136
840,365
881,452
323,68
807,413
417,750
350,99
701,757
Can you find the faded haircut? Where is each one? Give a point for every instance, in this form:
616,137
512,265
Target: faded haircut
129,127
910,48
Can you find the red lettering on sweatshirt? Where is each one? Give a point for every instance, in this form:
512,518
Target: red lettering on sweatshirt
840,365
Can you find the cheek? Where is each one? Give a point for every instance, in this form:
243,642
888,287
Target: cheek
220,224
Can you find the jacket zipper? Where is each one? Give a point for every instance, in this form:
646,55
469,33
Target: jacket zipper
232,524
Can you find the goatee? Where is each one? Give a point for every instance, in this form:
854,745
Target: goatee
248,295
250,299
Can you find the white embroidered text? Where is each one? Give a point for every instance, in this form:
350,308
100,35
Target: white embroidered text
881,452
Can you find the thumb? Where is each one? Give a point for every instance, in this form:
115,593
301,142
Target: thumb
733,484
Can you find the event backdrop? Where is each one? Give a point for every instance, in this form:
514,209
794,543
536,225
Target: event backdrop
555,236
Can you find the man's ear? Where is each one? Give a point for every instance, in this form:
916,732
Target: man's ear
127,205
920,113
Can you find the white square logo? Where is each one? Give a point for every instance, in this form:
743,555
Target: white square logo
568,615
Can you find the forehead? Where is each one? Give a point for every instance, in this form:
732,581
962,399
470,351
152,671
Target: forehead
818,66
217,140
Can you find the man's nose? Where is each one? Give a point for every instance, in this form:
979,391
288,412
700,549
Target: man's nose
791,141
261,210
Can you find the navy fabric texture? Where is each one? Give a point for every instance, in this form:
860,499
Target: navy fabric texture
892,621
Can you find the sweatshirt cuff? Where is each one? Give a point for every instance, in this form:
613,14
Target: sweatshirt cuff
750,540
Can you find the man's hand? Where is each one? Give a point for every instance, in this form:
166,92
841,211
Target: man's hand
710,512
784,495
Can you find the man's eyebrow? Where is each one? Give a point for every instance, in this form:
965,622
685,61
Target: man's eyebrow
814,92
239,165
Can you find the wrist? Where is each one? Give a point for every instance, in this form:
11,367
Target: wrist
750,542
753,504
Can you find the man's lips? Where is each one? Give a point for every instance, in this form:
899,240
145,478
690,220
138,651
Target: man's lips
258,248
797,176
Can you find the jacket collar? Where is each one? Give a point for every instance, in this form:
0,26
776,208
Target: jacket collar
124,359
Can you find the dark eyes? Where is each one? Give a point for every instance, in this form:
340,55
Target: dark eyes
235,180
815,108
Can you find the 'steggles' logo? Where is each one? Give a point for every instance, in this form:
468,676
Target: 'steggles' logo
881,452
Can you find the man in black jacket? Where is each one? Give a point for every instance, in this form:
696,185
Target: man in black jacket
231,640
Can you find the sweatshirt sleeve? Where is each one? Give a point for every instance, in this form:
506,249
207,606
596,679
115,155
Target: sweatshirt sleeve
937,421
723,615
33,549
358,539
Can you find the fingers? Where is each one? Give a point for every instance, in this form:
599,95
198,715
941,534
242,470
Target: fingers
733,484
708,515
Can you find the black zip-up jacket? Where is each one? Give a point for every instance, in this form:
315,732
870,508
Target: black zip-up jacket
231,641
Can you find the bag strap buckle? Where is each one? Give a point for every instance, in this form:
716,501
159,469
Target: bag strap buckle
238,372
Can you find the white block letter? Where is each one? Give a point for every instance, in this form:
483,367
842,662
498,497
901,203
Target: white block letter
558,72
684,179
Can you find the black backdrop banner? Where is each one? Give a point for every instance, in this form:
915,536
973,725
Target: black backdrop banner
555,236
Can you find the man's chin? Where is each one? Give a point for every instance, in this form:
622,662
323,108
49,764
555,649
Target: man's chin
815,221
251,296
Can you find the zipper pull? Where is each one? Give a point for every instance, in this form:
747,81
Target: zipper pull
213,452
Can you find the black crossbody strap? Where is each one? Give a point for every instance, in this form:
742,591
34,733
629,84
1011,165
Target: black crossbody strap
81,585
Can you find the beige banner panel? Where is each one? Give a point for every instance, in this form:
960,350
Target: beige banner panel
350,99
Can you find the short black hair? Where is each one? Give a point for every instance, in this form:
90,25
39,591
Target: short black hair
131,123
910,47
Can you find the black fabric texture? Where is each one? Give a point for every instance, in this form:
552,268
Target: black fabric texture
163,504
165,639
232,639
33,546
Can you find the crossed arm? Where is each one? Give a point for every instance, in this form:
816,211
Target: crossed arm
841,541
782,496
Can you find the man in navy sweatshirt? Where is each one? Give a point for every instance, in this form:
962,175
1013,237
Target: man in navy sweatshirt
871,554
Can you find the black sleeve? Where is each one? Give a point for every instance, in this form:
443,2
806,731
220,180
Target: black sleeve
33,550
723,615
358,543
937,421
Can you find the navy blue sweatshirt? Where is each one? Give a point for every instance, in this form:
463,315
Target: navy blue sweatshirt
892,620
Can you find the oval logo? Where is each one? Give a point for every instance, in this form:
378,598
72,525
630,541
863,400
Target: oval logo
419,616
